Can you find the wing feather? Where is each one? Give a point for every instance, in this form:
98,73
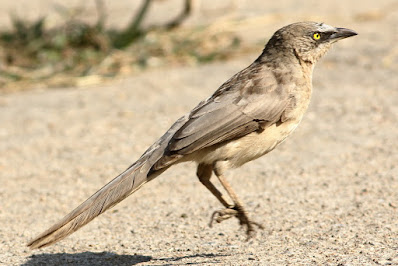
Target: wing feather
239,107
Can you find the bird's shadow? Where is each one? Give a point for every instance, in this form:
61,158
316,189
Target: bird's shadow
85,258
109,258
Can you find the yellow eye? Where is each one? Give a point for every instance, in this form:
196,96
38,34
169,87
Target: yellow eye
316,36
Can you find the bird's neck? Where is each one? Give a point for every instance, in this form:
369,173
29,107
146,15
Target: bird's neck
292,73
287,62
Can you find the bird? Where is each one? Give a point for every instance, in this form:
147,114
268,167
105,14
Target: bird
245,118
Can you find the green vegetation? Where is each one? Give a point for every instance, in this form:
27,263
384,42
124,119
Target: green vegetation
76,53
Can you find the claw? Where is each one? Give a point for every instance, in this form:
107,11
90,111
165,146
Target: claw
250,231
237,212
223,215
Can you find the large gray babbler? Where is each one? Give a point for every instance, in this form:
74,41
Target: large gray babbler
247,117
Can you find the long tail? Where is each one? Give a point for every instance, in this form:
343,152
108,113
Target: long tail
112,193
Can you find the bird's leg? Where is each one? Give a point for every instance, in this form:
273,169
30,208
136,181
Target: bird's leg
204,173
237,210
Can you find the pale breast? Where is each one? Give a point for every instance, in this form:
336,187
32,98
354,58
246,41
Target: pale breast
240,151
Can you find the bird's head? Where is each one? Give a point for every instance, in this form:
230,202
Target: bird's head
308,41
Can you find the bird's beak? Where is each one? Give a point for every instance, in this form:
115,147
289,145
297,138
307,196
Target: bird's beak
342,33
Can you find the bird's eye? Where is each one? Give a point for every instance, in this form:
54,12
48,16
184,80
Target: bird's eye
316,36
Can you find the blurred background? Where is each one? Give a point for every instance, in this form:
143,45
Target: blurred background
87,86
49,43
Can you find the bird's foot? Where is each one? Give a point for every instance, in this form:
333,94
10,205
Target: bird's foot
223,215
239,213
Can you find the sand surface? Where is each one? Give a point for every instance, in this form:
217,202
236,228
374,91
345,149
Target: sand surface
328,195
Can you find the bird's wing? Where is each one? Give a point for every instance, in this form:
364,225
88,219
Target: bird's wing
250,101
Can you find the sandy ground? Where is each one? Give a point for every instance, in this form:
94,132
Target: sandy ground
328,195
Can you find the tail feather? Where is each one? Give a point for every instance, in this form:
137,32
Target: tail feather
108,196
115,191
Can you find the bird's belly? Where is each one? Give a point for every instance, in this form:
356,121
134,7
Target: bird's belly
240,151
